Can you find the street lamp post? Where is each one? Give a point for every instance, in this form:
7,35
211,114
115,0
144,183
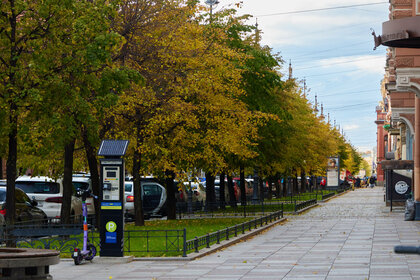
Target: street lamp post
211,3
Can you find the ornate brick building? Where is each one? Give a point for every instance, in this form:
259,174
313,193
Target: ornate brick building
402,83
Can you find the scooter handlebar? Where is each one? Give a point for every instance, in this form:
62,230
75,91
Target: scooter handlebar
407,249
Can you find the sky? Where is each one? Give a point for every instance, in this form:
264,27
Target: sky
332,50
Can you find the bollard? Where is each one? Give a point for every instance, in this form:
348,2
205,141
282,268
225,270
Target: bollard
196,244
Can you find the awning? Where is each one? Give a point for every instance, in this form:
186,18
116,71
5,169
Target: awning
400,33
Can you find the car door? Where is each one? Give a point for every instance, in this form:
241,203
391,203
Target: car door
151,196
23,207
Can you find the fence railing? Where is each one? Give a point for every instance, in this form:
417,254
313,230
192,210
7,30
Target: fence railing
328,195
65,238
301,205
216,209
225,234
155,240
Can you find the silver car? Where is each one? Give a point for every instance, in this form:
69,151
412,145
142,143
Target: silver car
153,197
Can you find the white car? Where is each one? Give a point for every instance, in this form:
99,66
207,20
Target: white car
153,197
49,195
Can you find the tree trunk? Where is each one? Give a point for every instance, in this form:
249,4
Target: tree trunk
67,182
170,191
94,174
11,175
295,184
270,188
231,190
262,188
138,203
278,186
1,168
242,185
222,195
303,185
284,186
210,192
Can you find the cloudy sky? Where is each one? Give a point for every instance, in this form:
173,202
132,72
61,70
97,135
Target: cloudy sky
332,49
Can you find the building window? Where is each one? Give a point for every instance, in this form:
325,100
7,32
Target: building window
417,7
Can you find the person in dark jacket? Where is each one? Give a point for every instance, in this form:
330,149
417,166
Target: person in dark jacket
372,181
357,183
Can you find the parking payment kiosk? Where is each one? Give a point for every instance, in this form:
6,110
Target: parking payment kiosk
111,197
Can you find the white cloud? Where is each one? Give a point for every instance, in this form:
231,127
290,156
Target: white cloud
351,127
366,63
364,148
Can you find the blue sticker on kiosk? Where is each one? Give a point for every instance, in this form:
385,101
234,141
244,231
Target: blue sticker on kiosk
110,237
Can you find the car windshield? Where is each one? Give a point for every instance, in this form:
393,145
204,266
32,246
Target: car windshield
39,187
128,187
80,186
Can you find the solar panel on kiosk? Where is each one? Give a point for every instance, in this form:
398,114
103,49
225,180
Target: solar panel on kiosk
113,148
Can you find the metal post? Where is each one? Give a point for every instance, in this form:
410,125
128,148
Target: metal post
255,187
390,187
196,244
184,249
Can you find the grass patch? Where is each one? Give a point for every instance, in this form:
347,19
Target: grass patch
152,240
304,196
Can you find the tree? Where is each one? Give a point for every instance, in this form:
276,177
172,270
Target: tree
27,29
188,94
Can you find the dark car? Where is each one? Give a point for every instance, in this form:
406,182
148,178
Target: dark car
26,210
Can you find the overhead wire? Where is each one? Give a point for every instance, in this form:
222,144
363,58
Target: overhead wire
349,92
323,9
337,63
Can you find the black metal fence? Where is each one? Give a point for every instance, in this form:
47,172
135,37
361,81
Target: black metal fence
65,238
152,241
303,204
328,195
216,209
215,237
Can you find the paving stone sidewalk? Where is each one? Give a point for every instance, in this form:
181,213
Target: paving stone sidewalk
348,237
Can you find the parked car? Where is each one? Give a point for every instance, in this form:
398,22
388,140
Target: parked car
83,182
49,195
26,210
2,221
153,196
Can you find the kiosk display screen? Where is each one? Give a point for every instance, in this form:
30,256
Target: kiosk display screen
111,178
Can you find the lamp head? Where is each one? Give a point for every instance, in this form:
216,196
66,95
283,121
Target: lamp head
212,2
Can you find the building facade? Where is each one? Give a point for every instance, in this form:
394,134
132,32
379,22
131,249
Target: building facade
401,102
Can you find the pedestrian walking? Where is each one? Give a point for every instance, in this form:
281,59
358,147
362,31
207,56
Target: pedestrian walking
323,183
372,181
357,183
